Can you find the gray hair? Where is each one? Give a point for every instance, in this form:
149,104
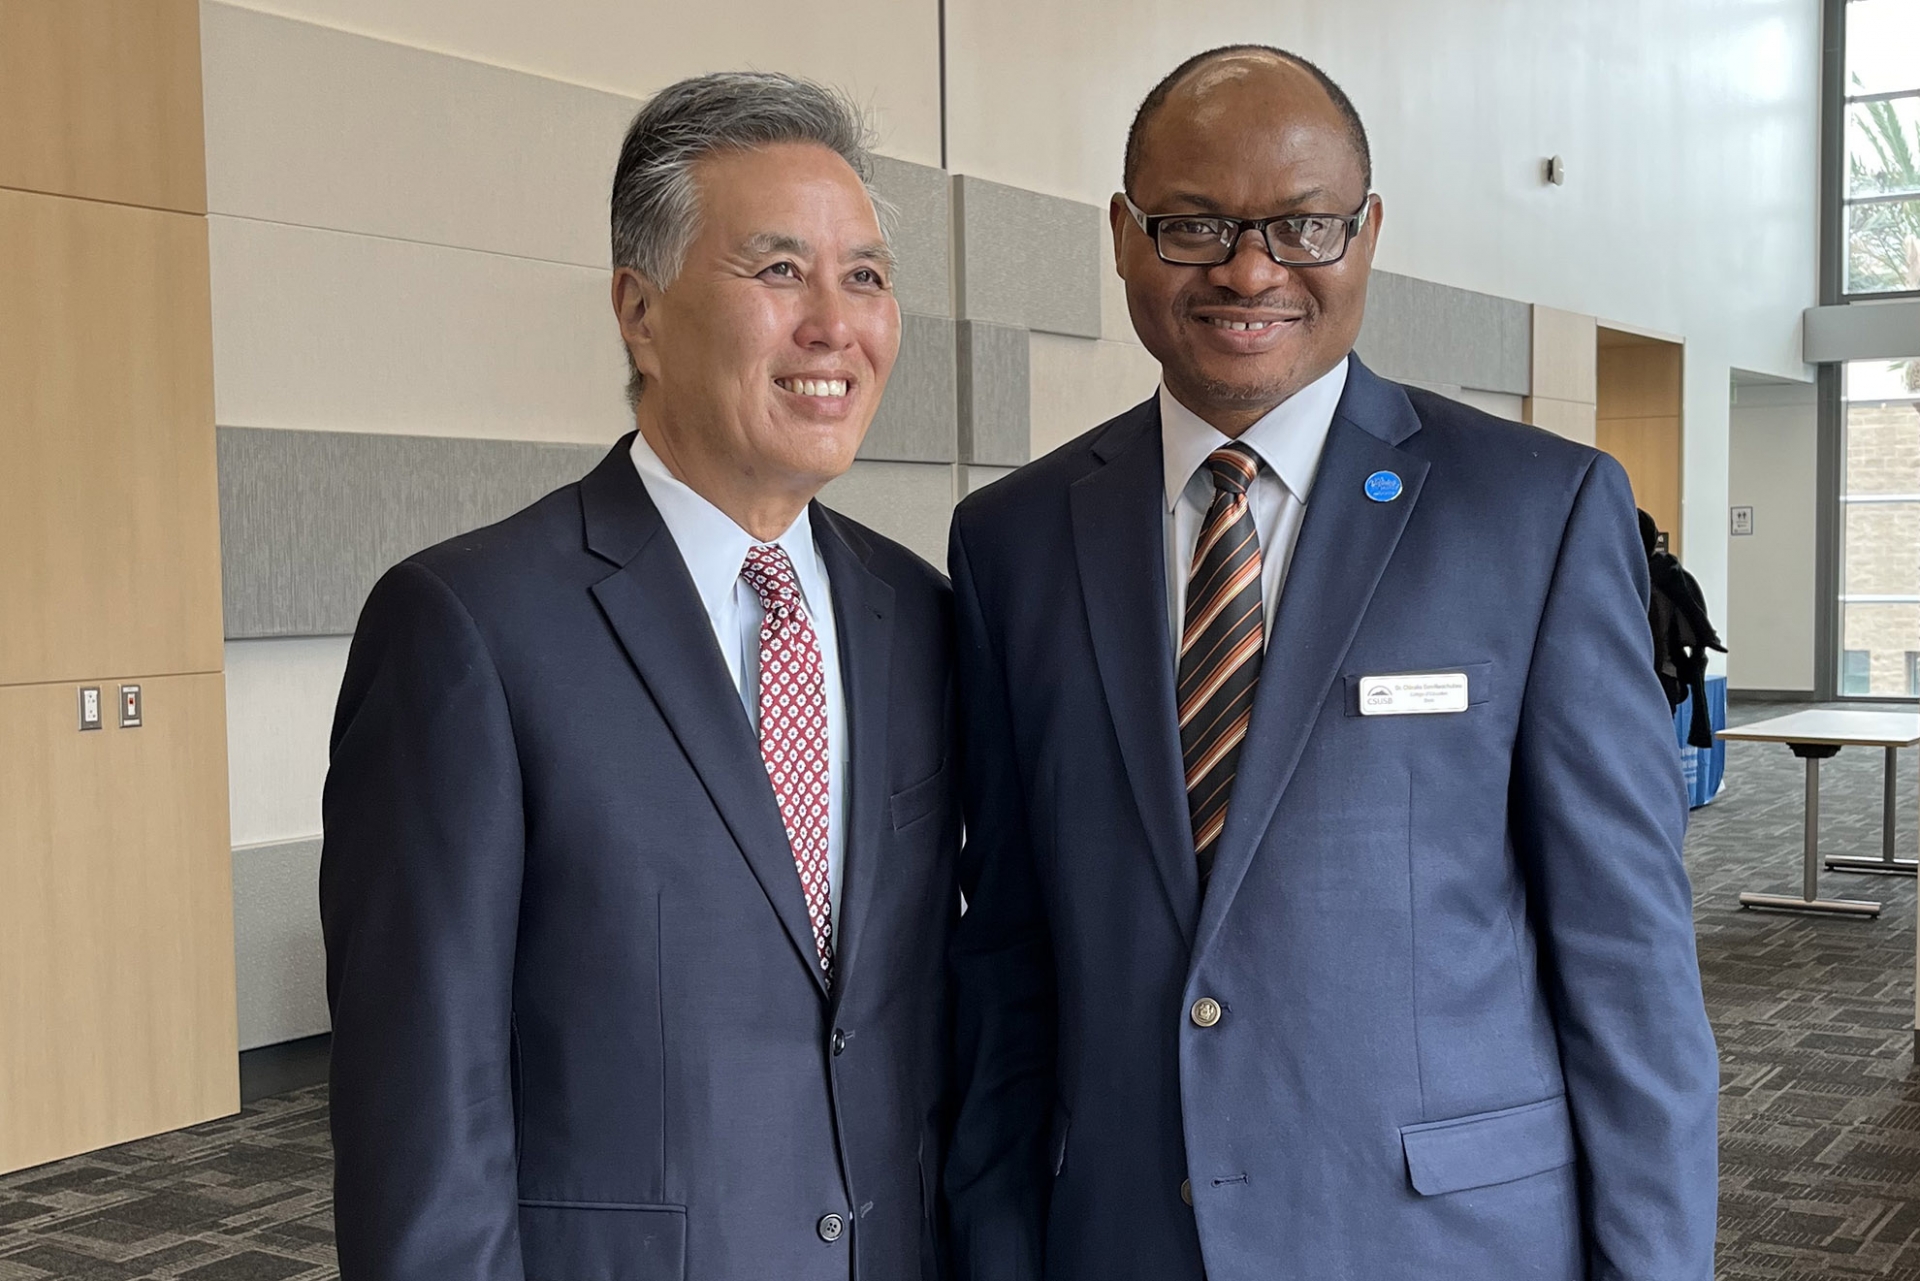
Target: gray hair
656,206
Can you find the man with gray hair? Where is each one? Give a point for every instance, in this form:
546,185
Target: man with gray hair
640,839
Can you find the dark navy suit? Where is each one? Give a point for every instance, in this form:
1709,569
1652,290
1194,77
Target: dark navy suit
578,1030
1462,1031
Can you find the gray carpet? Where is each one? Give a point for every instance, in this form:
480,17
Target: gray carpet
1820,1102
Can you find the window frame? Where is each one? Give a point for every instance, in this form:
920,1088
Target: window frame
1836,205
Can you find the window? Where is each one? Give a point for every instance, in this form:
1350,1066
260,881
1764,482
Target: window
1913,673
1880,528
1881,186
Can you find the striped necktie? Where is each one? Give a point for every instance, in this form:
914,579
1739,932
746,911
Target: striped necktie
1220,647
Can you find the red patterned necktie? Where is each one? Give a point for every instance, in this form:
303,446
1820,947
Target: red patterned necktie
1220,647
793,730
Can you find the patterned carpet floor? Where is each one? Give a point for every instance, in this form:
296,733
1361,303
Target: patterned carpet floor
1820,1099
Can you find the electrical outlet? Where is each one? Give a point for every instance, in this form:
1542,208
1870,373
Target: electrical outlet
129,707
90,707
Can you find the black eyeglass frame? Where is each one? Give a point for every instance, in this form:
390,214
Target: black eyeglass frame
1150,224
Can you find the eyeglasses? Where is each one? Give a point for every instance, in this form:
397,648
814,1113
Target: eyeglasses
1293,240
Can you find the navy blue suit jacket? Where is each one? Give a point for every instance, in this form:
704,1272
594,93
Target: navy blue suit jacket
1463,1033
579,1033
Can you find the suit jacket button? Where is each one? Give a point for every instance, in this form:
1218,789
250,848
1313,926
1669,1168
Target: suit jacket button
1205,1012
830,1228
1186,1191
839,1042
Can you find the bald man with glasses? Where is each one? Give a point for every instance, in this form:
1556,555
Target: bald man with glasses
1326,915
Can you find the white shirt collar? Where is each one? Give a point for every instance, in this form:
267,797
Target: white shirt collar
712,545
1289,439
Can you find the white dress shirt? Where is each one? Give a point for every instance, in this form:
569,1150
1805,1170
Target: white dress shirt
1289,441
715,549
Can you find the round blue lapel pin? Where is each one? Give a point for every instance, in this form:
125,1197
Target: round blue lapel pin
1383,487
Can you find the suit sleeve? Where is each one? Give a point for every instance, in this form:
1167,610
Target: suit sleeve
1600,815
1002,970
419,901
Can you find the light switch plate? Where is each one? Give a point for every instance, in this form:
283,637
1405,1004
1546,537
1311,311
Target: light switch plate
129,707
90,707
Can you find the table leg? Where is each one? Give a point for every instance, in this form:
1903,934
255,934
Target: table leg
1889,863
1810,901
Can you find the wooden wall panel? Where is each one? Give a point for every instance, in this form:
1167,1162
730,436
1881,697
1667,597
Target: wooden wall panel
1639,381
1563,355
1569,418
1649,448
101,99
1638,416
109,503
116,924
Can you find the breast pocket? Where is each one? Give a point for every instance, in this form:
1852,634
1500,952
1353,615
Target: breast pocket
911,804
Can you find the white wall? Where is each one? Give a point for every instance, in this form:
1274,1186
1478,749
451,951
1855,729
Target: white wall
1771,596
1689,129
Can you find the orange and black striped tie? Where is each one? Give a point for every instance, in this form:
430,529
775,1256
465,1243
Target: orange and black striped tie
1220,646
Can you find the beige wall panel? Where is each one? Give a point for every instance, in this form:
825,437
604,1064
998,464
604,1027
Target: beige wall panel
1641,381
108,500
911,503
1564,355
312,126
116,927
1076,384
333,332
1498,403
1568,418
885,54
1649,448
280,697
101,99
1772,572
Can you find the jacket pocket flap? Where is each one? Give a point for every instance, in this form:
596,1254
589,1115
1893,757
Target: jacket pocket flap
565,1240
1491,1147
911,804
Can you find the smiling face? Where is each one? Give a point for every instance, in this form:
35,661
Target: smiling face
1250,136
765,358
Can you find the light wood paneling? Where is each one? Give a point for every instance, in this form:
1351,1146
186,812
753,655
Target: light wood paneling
1649,448
1569,418
1638,412
116,924
101,99
1563,355
109,504
1639,381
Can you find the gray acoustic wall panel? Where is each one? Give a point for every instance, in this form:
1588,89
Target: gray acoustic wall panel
917,419
1421,332
279,961
922,233
995,406
1027,259
910,503
309,520
981,477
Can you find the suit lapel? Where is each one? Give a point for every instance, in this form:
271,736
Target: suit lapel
1119,514
863,618
1344,546
652,605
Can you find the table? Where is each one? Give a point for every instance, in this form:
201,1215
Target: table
1816,736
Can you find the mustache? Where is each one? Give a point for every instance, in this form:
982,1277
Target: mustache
1272,300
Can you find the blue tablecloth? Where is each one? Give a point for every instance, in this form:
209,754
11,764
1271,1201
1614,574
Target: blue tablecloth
1705,767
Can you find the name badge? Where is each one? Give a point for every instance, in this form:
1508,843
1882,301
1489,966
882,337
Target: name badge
1417,694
